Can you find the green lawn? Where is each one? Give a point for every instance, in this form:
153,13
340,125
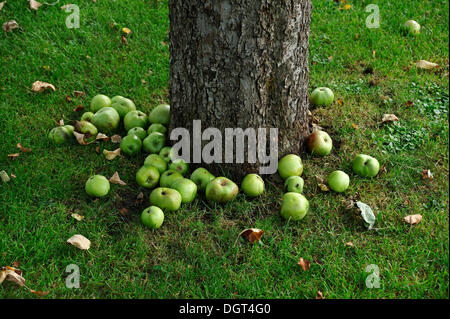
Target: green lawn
193,255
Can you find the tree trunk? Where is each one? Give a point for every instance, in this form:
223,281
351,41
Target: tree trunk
241,64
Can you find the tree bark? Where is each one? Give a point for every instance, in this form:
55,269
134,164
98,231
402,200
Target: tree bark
241,63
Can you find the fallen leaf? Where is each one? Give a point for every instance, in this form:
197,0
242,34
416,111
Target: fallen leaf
319,295
340,102
319,179
13,156
140,198
304,264
413,219
123,212
354,126
60,122
78,93
12,274
126,31
367,214
13,175
252,234
2,4
80,138
40,86
10,25
4,177
323,187
124,40
347,6
39,293
409,103
80,242
426,174
77,217
34,5
426,65
78,108
389,118
23,149
110,155
349,244
101,136
116,139
115,179
97,149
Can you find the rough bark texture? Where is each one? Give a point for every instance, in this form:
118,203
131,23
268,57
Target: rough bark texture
241,63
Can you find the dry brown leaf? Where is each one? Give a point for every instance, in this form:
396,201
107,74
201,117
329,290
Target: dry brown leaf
304,264
10,25
2,4
68,99
97,149
115,179
319,295
340,102
116,139
426,174
12,274
354,126
319,179
123,212
39,86
4,177
80,242
140,198
77,217
34,5
426,65
39,293
389,118
252,234
323,187
110,155
349,244
78,108
23,149
124,40
413,219
80,138
78,93
13,156
101,136
13,175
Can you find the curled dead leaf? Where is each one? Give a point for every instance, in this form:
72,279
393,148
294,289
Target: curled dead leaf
116,139
80,138
426,174
78,93
80,242
115,179
34,5
13,156
140,198
252,234
389,118
39,293
78,108
23,149
4,177
77,217
10,25
426,65
124,40
413,219
349,244
101,136
97,149
304,264
323,187
110,155
39,86
12,274
340,102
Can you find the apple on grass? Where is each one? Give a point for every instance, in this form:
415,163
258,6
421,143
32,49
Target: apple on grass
322,96
100,101
201,176
154,143
116,98
411,27
294,184
165,154
87,116
320,143
157,128
180,166
186,188
123,106
152,217
97,186
365,165
69,128
169,177
160,114
221,190
166,198
290,165
87,128
59,135
147,176
131,145
106,120
338,181
294,206
252,185
135,119
139,132
156,161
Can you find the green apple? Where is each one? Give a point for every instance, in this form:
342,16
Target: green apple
322,96
97,186
106,120
411,27
180,166
147,176
186,188
59,135
157,128
169,177
320,143
166,198
294,184
160,114
294,206
253,185
154,143
338,181
201,176
100,101
123,106
165,154
290,165
221,190
139,132
156,161
116,98
131,145
88,129
152,217
365,165
135,119
87,116
69,128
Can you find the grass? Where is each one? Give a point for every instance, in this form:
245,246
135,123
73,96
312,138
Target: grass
193,255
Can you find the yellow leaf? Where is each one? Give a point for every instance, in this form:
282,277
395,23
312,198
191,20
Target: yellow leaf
347,6
126,31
